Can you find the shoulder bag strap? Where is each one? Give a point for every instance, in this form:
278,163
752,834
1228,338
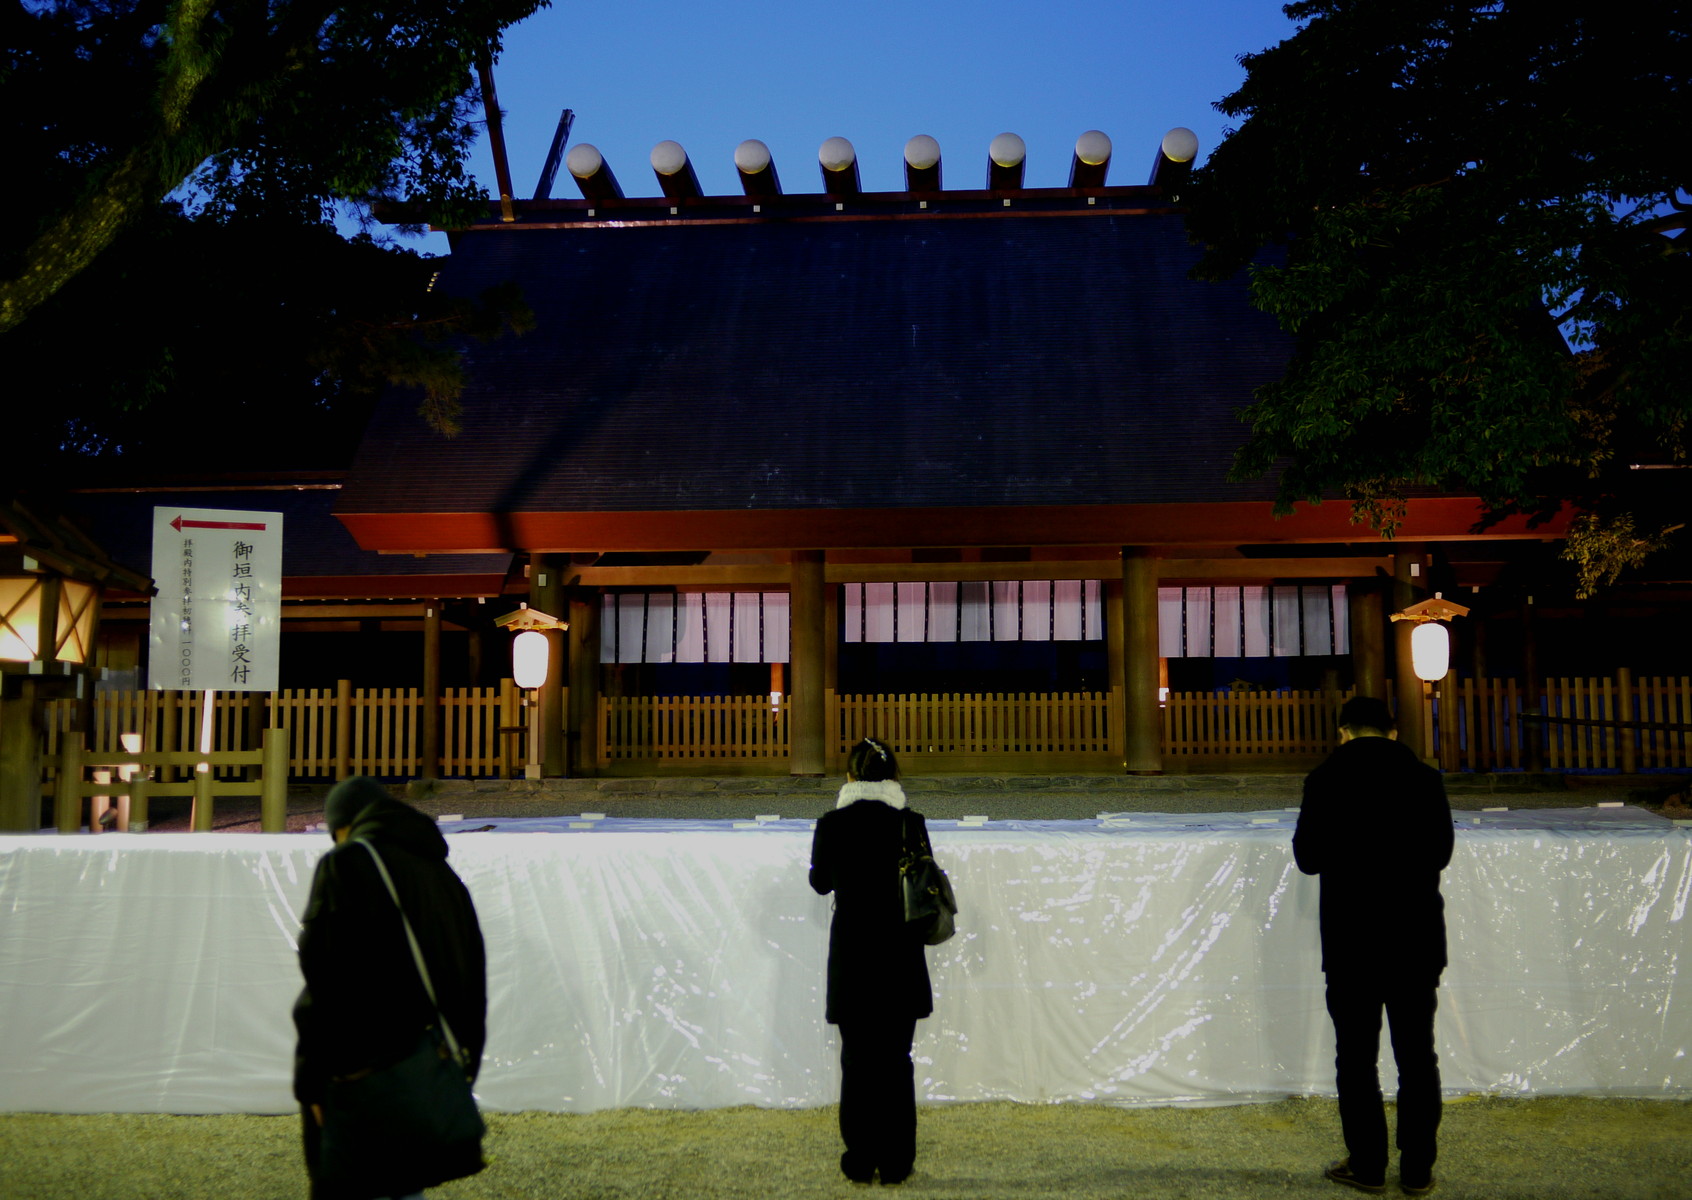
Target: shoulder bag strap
416,951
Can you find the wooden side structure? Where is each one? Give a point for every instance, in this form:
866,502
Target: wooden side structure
134,785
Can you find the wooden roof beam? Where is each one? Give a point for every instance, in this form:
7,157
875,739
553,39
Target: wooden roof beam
1090,163
922,164
592,173
756,168
1007,154
839,163
1174,161
675,173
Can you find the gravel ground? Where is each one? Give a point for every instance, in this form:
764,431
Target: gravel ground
1544,1149
1024,797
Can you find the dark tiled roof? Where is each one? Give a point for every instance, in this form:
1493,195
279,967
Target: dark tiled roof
997,361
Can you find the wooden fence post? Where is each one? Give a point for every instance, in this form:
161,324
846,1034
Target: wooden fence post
201,821
343,728
67,791
1448,721
138,801
252,736
429,736
170,729
508,725
1624,712
273,800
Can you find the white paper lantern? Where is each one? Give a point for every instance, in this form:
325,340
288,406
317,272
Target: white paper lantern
528,658
1430,651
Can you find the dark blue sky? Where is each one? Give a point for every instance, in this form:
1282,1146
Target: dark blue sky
795,72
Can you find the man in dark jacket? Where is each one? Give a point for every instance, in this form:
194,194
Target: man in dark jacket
363,1005
1376,826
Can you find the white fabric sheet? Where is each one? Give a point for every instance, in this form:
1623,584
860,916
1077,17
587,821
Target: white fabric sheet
1141,959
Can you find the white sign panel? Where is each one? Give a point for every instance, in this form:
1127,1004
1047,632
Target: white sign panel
217,619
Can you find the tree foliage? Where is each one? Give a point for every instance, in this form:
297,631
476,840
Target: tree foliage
1472,218
256,343
178,166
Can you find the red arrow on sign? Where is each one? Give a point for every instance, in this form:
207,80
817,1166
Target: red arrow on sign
179,525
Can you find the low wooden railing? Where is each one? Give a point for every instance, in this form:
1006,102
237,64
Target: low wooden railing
693,729
331,732
1615,723
128,779
985,725
1618,722
1216,730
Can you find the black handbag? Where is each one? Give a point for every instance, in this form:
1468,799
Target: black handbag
399,1129
930,906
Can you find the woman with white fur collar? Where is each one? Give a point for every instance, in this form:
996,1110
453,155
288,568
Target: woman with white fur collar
877,972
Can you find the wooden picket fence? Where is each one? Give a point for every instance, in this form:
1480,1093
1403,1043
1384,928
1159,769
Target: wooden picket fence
993,725
693,729
1217,730
1610,723
332,732
1619,723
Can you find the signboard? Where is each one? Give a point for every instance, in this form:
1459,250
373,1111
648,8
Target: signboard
217,619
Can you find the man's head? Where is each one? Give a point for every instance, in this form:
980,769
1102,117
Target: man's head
1365,716
346,800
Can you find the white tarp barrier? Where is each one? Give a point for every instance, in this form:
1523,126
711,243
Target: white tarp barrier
1145,959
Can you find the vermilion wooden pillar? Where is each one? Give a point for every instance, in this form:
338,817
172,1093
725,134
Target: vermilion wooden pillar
583,635
1409,579
1140,662
807,711
1368,639
546,593
429,748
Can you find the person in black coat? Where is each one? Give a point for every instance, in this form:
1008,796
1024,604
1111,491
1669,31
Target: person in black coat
877,973
1376,827
363,1005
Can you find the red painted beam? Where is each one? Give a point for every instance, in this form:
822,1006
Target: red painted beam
1241,523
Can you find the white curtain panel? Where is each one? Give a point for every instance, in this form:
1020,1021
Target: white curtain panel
975,617
1285,620
852,613
748,631
660,627
1007,612
1037,610
777,627
880,599
1171,626
943,614
631,629
690,627
1229,628
1286,623
719,608
912,613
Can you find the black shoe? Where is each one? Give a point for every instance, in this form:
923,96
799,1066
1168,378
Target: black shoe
1341,1172
893,1178
1416,1185
854,1170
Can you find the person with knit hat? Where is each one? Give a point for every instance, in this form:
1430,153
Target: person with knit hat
364,1006
878,984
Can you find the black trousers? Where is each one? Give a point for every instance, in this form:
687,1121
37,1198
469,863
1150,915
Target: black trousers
877,1097
1356,1006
